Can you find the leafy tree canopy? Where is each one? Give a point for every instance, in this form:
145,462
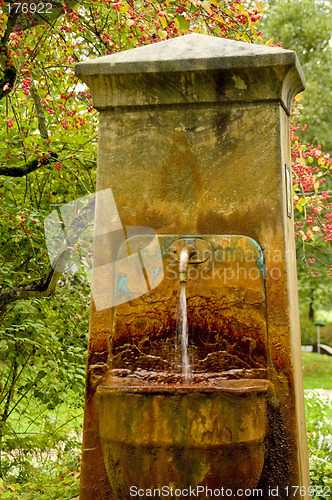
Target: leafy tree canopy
306,27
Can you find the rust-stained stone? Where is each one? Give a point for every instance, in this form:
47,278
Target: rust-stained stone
218,430
226,317
193,140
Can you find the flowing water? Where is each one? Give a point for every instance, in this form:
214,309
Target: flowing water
183,334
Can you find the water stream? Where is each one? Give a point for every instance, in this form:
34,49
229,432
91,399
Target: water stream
183,334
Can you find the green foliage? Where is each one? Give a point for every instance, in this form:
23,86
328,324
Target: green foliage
42,367
308,332
319,425
48,479
315,293
306,27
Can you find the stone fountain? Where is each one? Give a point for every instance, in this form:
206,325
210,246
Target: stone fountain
194,146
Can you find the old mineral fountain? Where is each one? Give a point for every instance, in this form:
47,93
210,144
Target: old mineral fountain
194,384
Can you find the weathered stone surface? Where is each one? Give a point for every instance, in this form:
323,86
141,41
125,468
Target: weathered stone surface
212,436
226,313
194,52
193,69
193,140
181,168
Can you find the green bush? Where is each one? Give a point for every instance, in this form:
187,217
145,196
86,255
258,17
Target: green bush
319,432
43,455
308,332
48,479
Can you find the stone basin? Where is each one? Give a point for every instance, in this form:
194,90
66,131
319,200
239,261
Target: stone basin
183,435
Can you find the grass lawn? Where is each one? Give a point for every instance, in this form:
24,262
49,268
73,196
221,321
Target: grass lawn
317,370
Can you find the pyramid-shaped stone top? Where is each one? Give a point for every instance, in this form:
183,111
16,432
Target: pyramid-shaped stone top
193,52
191,69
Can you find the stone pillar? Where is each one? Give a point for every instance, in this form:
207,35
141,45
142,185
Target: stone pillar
194,140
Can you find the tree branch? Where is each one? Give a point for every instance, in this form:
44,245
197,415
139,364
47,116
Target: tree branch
40,112
9,76
29,167
9,72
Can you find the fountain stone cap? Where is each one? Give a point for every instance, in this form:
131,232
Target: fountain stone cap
111,77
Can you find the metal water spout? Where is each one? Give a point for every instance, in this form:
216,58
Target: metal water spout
185,255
